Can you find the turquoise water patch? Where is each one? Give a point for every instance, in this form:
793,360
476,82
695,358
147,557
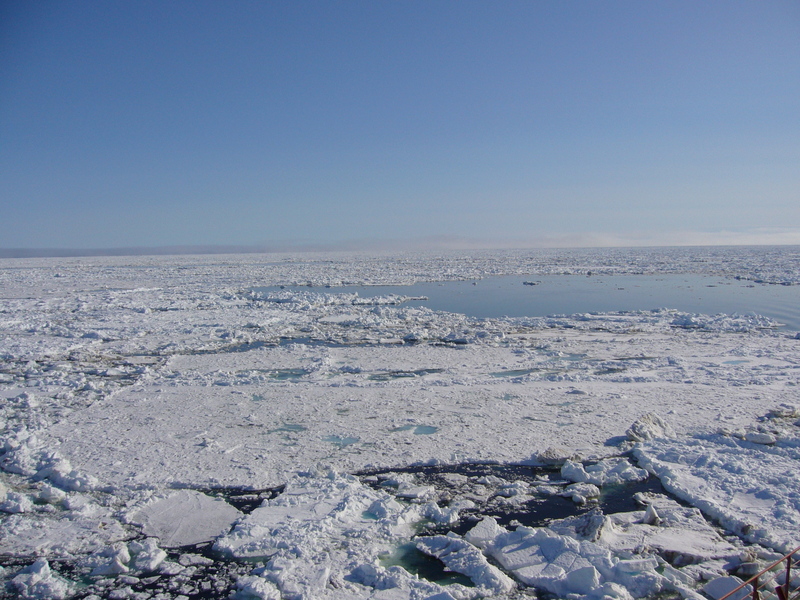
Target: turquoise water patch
427,567
389,375
290,428
287,374
425,430
341,442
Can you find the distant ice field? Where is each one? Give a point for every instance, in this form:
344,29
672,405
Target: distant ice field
540,296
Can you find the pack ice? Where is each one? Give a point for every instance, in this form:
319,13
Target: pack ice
168,431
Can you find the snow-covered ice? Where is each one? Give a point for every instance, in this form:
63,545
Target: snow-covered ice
167,431
186,517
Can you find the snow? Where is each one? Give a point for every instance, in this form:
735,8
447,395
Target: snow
648,427
38,581
140,393
751,488
608,472
186,517
717,588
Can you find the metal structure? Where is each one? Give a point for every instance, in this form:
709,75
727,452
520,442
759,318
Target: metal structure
778,581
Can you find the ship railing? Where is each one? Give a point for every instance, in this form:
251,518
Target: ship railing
778,581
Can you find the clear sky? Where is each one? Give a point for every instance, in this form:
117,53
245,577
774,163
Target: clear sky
152,123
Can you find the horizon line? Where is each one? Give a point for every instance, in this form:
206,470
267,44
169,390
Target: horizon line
348,246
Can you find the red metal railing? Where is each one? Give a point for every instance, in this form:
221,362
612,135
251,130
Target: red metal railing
767,584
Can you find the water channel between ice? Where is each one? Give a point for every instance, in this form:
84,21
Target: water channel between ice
539,296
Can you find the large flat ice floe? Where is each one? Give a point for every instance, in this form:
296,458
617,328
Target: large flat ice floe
168,431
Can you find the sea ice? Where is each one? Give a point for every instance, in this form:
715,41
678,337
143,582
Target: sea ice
748,487
611,471
566,565
185,517
649,427
38,582
462,557
132,386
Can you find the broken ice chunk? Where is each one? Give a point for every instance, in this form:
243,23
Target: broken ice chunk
147,556
758,437
51,495
649,427
416,492
16,503
610,471
581,492
37,581
555,456
719,587
462,557
484,533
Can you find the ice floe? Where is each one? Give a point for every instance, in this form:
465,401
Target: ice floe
750,487
185,517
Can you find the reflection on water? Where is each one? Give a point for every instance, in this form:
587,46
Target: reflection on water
341,442
570,294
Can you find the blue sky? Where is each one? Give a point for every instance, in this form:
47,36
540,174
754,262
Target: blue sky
360,123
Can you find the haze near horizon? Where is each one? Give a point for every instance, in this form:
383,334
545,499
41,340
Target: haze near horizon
369,125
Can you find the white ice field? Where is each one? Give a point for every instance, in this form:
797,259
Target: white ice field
168,433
